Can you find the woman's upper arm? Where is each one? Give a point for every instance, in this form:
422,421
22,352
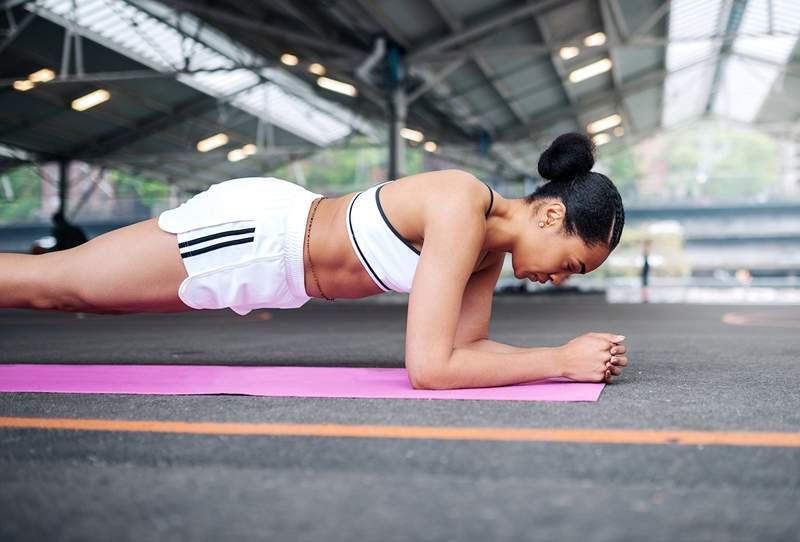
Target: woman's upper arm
476,307
454,234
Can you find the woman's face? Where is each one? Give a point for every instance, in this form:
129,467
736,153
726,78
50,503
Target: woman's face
547,254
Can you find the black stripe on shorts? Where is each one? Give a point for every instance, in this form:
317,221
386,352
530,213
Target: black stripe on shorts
190,253
215,236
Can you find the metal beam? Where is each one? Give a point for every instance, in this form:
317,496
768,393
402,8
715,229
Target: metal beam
651,21
142,130
614,29
736,9
501,18
632,43
486,70
126,75
618,17
10,4
505,94
16,31
437,78
296,10
385,22
546,119
341,63
290,36
555,61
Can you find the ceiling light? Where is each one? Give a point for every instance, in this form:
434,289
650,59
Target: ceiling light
601,139
289,59
603,124
430,146
249,149
236,154
211,143
337,86
22,86
569,52
595,68
594,40
619,131
412,135
90,100
317,69
42,76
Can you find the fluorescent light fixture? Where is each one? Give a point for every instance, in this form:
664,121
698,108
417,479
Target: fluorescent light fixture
595,68
601,139
594,40
211,143
42,76
569,52
430,146
90,100
603,124
249,149
337,86
317,69
22,86
619,131
289,59
412,135
236,154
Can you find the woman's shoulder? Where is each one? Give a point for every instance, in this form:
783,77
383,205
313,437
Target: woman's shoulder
455,187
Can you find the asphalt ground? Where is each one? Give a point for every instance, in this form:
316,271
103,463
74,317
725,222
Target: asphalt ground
709,370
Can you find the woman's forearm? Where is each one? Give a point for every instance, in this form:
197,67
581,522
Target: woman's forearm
482,367
488,345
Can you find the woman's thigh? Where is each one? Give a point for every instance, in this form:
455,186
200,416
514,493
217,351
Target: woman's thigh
131,269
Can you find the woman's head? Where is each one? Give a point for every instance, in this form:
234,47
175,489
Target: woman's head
576,218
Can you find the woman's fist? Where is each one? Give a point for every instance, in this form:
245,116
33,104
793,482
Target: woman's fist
593,357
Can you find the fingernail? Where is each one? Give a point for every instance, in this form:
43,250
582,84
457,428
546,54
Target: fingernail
613,350
620,337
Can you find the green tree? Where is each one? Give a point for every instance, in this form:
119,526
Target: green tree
623,168
23,200
720,162
148,191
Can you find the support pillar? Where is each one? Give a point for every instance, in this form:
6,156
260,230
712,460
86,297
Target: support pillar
63,186
397,145
398,107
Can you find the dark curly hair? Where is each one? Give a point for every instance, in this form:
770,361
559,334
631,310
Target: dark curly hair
592,201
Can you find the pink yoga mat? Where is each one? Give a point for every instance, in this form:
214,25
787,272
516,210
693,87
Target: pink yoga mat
272,381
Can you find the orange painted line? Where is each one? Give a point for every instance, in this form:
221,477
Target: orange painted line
758,319
596,436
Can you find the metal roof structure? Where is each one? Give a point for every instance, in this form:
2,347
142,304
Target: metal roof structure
491,80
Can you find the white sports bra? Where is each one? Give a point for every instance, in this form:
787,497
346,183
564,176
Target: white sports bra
389,258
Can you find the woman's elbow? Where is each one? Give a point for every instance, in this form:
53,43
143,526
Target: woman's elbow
428,380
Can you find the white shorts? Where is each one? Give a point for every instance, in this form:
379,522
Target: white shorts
241,242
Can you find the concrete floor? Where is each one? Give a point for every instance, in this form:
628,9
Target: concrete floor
689,370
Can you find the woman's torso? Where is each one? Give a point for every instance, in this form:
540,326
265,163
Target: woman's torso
336,265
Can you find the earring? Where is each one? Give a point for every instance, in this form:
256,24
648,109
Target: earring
541,224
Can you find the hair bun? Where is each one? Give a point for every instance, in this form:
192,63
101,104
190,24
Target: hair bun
567,157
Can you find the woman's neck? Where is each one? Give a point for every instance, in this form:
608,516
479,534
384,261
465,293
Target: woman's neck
502,224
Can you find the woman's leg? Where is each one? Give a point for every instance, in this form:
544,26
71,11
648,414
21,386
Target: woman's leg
137,268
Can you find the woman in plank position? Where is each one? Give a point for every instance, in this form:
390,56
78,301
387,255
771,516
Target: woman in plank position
442,236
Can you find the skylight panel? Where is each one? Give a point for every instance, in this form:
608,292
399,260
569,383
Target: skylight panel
690,58
150,38
746,80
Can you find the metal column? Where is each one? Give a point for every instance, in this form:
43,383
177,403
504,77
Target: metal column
398,107
397,145
63,186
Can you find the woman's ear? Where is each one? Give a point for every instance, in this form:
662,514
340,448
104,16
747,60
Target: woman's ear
555,211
